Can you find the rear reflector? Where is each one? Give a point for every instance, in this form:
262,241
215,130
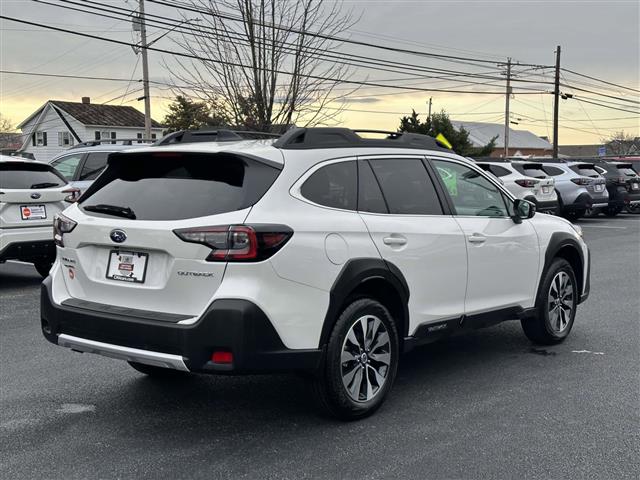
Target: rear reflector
222,357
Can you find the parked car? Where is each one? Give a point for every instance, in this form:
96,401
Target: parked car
324,252
635,164
31,194
623,185
581,189
82,164
526,180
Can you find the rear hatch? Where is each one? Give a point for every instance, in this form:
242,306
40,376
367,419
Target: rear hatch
31,194
125,250
590,179
629,177
544,187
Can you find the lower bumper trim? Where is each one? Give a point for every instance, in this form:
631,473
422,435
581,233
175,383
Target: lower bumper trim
119,352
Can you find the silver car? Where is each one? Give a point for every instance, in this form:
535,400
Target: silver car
82,164
581,189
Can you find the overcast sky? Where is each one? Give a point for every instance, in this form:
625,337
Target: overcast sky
600,39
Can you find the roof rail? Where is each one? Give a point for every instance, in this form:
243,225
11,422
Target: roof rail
123,141
333,137
217,135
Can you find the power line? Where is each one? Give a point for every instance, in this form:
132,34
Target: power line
57,75
234,64
364,61
236,18
601,80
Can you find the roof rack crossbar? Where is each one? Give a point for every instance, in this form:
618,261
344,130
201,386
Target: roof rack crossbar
213,135
334,137
123,141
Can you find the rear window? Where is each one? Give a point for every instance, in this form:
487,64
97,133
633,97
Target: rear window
586,170
534,170
177,186
553,171
627,170
22,175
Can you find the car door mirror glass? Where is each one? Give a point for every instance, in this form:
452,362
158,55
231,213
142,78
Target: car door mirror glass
524,209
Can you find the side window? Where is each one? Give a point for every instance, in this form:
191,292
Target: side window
472,194
94,165
335,185
67,165
406,186
370,197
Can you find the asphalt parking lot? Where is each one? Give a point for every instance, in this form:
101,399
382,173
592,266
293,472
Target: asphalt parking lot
484,405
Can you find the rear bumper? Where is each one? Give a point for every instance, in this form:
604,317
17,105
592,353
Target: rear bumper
586,200
231,325
27,244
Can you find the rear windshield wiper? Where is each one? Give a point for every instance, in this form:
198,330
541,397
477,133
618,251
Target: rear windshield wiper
44,185
114,210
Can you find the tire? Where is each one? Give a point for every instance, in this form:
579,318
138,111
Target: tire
158,372
612,211
43,267
574,215
633,208
551,325
356,388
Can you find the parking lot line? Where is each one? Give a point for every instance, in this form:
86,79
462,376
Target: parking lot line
603,226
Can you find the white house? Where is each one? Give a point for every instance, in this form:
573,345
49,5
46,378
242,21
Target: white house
521,142
58,125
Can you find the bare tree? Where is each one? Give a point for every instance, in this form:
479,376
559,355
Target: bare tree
266,68
6,125
621,143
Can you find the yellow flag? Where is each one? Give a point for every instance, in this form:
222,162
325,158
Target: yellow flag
442,139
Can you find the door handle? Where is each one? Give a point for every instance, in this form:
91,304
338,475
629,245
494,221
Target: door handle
477,238
395,241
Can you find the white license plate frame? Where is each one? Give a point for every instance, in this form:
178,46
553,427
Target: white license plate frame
635,186
599,187
546,190
138,259
28,209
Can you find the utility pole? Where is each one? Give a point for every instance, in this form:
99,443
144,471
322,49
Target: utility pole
506,110
145,73
556,104
429,116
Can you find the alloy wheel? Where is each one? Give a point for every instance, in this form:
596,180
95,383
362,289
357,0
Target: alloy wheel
365,358
560,302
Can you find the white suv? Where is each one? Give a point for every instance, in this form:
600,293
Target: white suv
526,180
31,194
323,252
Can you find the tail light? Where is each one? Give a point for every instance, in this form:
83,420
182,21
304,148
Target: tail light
527,183
238,243
73,194
582,181
61,225
621,181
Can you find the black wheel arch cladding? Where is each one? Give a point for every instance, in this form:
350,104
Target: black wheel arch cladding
564,245
357,273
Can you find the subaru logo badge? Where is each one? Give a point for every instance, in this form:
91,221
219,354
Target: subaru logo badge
118,236
35,195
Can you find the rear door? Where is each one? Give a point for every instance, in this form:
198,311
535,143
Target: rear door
93,165
503,256
31,194
399,204
136,259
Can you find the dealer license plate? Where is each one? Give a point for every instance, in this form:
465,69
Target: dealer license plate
635,186
546,189
127,266
599,187
33,212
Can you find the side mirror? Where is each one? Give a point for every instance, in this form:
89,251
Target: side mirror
523,209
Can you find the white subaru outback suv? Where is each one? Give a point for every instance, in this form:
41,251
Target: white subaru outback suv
324,251
31,194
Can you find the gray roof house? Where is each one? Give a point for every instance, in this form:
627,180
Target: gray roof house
521,142
58,125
